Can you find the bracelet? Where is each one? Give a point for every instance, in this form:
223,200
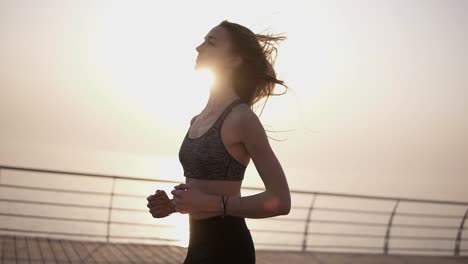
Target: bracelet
227,198
223,205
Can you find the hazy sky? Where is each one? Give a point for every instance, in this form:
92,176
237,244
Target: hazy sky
377,99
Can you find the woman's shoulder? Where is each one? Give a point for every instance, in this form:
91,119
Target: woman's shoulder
246,125
243,116
241,112
193,119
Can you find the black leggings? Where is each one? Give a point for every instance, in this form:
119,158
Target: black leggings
218,240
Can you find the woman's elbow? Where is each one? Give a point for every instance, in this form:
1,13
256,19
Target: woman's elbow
285,205
280,204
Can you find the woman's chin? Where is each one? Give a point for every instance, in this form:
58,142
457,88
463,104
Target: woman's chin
198,66
201,67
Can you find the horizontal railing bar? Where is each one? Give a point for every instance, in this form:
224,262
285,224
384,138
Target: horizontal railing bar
252,188
351,210
379,248
425,226
98,175
421,249
316,233
97,221
54,204
49,232
381,236
85,220
54,218
299,207
386,213
72,191
429,215
277,244
129,209
381,224
74,205
347,222
141,224
283,219
422,238
344,246
81,235
345,234
275,231
149,238
131,195
54,190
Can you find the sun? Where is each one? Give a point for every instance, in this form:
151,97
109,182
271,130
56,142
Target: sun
144,74
205,77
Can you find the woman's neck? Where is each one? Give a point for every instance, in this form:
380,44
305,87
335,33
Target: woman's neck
221,94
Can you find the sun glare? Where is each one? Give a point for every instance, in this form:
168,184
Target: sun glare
181,230
206,77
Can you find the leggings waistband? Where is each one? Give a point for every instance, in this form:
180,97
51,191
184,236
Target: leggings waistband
217,224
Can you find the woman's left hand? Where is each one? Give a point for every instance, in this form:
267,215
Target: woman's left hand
190,200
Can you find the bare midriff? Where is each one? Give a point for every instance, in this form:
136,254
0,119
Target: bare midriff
214,187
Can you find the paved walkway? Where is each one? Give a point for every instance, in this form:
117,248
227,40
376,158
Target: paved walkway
35,250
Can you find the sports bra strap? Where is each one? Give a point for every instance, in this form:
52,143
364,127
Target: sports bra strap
223,114
226,111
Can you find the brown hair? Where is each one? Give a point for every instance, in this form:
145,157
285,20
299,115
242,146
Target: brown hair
256,78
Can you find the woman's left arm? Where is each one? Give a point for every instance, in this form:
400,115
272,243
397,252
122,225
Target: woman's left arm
276,199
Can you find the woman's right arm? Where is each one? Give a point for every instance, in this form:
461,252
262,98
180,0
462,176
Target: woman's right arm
173,206
160,205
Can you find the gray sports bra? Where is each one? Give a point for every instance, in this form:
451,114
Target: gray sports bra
206,157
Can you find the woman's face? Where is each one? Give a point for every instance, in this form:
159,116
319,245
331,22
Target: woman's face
215,52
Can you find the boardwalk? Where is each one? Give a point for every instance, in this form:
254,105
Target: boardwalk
36,250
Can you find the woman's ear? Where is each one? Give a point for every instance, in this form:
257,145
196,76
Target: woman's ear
234,62
237,61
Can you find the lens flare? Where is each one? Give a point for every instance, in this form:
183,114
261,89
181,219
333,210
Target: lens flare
206,76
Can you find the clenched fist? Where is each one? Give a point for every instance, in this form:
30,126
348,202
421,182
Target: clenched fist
159,204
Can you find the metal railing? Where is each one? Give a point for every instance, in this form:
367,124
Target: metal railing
303,225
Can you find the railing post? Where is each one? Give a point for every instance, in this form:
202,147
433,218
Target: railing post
306,229
459,235
389,227
111,201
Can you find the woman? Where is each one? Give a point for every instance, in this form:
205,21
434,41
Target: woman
218,146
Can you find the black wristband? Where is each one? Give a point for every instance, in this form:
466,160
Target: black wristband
224,205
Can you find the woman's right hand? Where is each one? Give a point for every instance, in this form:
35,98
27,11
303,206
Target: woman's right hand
159,204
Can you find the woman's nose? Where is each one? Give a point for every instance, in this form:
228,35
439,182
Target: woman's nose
199,48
